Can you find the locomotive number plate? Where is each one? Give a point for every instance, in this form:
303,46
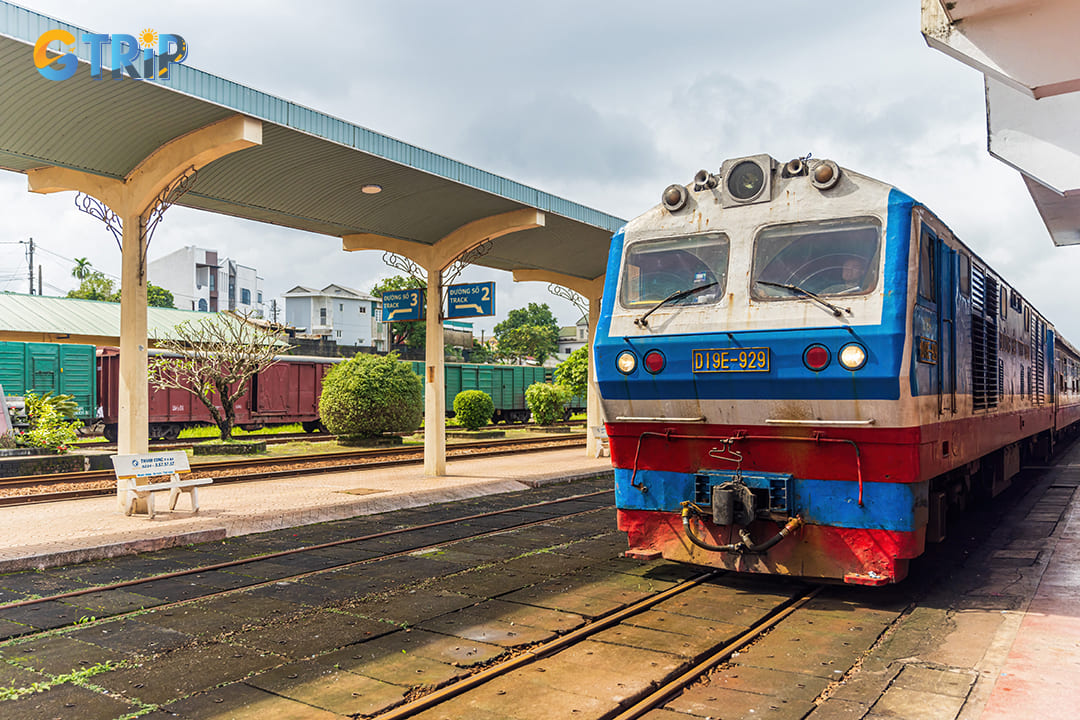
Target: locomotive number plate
731,360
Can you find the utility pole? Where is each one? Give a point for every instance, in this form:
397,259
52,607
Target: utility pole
30,264
273,309
40,284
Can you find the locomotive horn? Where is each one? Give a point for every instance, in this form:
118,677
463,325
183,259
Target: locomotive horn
705,179
794,167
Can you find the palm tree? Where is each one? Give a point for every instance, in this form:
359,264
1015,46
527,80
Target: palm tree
82,269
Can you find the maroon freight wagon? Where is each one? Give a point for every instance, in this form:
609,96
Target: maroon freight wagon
286,392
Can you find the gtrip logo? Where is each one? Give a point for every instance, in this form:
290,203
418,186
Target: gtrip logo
136,57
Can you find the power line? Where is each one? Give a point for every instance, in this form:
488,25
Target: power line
40,247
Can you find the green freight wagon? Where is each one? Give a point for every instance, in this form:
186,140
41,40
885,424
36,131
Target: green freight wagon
51,367
504,383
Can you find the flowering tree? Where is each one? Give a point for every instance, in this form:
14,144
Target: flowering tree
216,356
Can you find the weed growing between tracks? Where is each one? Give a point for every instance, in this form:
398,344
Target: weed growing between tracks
78,677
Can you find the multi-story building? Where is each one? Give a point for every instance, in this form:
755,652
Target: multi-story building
573,337
200,280
339,313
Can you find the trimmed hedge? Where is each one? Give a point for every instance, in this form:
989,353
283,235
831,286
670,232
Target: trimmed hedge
473,408
369,395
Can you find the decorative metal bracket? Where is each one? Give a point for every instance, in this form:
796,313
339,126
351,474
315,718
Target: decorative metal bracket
576,298
97,209
462,261
407,266
147,222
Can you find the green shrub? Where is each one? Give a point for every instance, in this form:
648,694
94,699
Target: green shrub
369,395
547,401
473,408
573,372
49,429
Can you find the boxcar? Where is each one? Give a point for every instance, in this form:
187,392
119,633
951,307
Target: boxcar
286,392
51,367
505,384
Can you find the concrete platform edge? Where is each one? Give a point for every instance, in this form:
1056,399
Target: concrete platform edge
40,558
101,552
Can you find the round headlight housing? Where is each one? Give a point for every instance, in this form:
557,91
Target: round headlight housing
816,357
852,356
674,198
654,361
626,362
746,180
825,175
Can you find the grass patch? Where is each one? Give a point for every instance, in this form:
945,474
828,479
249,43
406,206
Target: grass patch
211,431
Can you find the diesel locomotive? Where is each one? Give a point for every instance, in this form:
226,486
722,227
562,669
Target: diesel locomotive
804,372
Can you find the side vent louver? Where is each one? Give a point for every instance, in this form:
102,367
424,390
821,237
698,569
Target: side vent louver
985,371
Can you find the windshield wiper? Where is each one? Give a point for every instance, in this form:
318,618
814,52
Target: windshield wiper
795,288
643,320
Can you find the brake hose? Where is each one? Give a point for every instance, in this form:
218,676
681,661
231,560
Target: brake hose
745,545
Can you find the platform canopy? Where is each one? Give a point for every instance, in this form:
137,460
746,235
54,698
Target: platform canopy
1026,50
307,173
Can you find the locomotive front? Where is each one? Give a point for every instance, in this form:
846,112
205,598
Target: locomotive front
750,356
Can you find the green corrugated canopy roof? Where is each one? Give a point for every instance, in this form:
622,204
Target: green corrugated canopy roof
66,319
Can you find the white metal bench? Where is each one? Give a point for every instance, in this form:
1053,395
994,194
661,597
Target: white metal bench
600,434
131,469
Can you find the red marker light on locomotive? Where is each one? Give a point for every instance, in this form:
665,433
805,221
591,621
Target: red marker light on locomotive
816,357
654,361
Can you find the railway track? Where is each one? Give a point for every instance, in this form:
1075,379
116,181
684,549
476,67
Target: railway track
26,489
517,612
281,438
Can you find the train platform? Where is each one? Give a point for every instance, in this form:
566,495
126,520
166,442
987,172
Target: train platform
65,532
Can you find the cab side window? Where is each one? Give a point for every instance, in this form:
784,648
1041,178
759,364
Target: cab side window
927,267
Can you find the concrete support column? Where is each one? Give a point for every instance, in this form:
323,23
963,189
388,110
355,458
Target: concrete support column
593,292
434,380
134,400
594,414
132,198
434,259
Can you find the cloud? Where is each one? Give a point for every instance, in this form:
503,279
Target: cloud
561,137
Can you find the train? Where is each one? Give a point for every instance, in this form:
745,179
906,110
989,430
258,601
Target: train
804,372
285,393
289,390
55,368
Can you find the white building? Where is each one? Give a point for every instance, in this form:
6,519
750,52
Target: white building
339,313
573,337
200,280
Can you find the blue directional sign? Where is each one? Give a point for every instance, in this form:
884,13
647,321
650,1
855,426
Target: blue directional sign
403,305
473,300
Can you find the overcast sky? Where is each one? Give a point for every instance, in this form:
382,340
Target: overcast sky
603,103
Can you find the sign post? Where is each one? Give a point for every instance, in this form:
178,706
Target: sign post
472,300
403,305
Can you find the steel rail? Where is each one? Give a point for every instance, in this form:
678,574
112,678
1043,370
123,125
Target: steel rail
654,699
399,456
540,651
323,546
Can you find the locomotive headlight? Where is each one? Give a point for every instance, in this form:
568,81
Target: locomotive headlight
626,362
852,356
825,175
745,180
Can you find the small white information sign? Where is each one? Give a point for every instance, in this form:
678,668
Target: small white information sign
150,465
5,417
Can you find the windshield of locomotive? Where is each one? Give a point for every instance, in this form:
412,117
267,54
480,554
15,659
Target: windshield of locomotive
835,257
657,269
